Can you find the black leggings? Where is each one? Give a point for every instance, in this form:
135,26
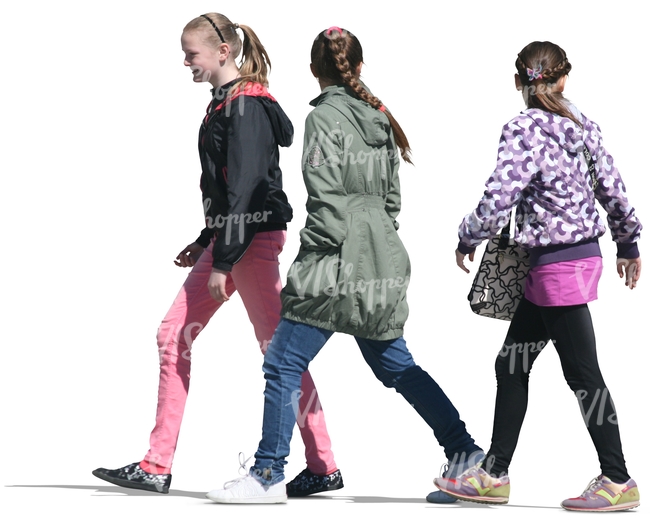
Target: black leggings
572,333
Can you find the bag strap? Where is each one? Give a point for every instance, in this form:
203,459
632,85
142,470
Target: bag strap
504,234
591,167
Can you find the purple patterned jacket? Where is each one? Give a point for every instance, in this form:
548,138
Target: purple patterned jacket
542,170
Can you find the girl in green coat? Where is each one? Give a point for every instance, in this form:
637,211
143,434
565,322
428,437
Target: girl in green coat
351,273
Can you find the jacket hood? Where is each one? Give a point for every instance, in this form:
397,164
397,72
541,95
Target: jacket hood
371,124
563,131
282,126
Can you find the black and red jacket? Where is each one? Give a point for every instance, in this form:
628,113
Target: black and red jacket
241,180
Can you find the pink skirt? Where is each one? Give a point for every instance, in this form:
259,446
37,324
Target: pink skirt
564,283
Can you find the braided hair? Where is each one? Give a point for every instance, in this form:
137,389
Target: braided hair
540,66
335,56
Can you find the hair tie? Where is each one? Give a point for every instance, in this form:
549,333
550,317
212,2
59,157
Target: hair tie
534,74
333,28
215,28
236,26
382,108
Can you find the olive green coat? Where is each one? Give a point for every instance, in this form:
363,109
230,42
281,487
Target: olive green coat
352,271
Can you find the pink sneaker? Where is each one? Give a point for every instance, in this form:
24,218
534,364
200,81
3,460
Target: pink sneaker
603,495
476,485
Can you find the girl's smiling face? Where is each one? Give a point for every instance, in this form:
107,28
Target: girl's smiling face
202,59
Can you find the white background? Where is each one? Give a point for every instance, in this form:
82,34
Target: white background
100,174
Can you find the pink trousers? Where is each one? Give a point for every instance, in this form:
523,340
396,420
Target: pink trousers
257,279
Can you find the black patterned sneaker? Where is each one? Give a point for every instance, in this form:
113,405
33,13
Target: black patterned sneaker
307,483
132,476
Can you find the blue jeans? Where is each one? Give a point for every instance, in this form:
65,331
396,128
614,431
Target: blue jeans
293,347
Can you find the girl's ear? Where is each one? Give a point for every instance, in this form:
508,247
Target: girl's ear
559,86
358,69
223,52
313,71
517,82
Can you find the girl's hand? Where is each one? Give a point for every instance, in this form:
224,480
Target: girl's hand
631,269
460,259
189,255
217,285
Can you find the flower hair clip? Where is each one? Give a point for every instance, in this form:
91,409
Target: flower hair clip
534,74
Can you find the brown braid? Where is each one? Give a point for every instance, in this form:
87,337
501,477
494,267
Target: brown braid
335,56
539,92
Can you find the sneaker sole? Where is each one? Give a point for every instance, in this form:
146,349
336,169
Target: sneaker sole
263,500
485,500
436,497
614,508
305,494
129,484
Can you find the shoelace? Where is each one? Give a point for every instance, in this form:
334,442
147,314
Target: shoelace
470,472
243,473
593,485
443,469
473,471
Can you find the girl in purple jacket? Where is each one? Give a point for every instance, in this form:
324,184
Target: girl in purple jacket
543,170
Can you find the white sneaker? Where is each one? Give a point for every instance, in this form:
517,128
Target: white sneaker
248,490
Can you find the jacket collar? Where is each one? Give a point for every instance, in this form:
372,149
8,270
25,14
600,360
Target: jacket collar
332,90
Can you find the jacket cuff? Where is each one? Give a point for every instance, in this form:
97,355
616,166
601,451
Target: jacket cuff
222,266
628,251
205,237
465,249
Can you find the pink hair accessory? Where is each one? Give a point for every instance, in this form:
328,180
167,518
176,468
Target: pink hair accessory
534,74
333,28
382,109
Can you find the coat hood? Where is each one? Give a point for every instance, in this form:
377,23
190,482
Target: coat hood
371,124
282,126
563,131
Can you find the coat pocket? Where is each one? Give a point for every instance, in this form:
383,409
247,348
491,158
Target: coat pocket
314,274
